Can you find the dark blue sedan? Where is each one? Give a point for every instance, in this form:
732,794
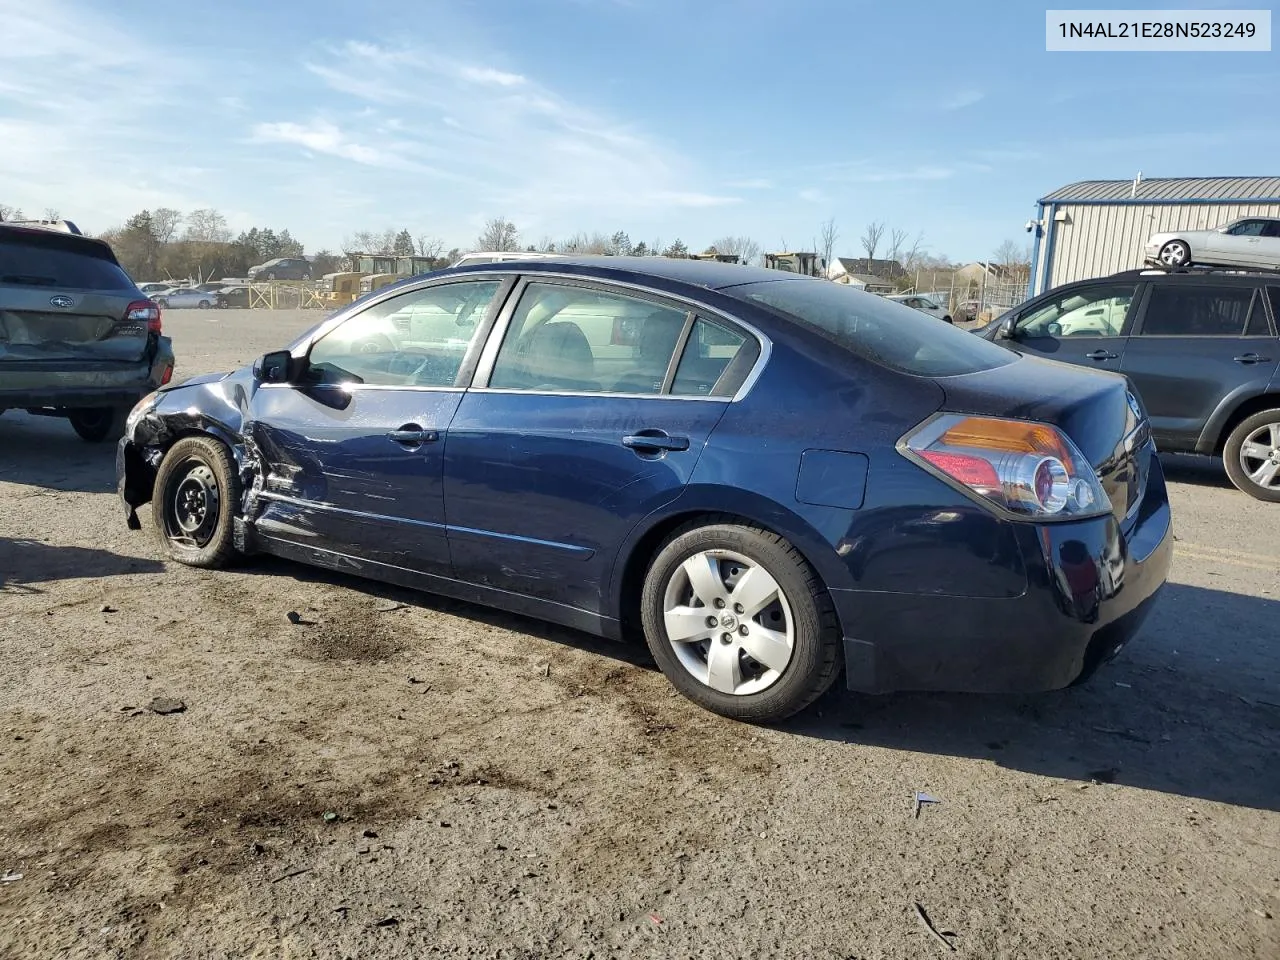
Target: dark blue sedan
772,477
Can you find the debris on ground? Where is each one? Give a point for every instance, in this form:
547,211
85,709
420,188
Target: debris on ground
292,873
390,606
107,608
11,878
298,620
370,835
923,799
329,816
941,937
388,922
166,705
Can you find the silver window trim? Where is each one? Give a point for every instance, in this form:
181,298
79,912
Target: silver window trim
489,356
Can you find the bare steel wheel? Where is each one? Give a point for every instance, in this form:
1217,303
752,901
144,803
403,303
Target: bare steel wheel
728,622
1252,456
739,621
196,493
1175,253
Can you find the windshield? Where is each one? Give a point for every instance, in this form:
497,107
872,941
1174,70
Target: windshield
877,329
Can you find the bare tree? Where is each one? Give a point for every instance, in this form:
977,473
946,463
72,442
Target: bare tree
871,238
499,235
208,226
914,254
10,213
593,243
362,241
746,249
164,223
429,246
897,241
830,234
52,213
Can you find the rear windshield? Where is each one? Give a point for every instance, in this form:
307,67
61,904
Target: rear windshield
877,329
26,262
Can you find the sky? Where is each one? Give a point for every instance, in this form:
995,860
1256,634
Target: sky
664,118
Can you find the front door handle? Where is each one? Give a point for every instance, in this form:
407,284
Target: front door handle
1251,358
1102,355
655,440
412,435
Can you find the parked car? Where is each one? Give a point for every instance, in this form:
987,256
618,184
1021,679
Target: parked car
1251,242
923,304
77,338
180,297
770,477
233,296
151,289
1201,350
282,268
212,286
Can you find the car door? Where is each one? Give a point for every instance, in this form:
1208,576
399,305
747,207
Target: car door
353,451
1240,243
1195,343
1084,324
590,410
1269,247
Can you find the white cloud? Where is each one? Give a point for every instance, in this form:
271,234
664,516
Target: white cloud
811,195
755,183
963,98
325,137
490,76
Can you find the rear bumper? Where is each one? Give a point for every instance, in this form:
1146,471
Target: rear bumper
1090,586
85,384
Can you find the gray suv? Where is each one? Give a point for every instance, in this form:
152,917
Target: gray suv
1201,349
78,339
282,268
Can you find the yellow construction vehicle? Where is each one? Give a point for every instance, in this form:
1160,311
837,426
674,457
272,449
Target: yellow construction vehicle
805,264
376,281
339,289
718,257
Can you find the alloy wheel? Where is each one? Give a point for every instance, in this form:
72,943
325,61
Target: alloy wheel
1260,456
729,622
1174,254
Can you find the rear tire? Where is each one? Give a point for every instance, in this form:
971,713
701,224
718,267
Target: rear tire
731,571
1252,456
204,304
197,492
98,424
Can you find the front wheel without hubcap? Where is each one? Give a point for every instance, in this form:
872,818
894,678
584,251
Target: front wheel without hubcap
1252,456
196,492
739,622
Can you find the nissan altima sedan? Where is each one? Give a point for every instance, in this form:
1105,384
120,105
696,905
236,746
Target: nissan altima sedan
773,479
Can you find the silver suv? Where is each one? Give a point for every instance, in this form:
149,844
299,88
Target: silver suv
78,339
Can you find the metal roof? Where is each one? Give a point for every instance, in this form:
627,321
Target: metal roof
1169,190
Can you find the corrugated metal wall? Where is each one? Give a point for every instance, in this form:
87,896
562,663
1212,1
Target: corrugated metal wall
1103,238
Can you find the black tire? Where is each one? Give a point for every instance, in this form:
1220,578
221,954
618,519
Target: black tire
271,276
162,303
947,319
223,305
1231,458
204,304
193,467
98,424
1174,259
816,653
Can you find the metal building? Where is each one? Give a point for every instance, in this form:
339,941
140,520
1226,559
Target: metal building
1096,227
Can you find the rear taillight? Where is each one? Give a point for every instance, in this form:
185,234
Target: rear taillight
167,375
147,311
1028,469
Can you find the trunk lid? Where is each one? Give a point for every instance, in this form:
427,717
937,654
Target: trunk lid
1096,410
64,297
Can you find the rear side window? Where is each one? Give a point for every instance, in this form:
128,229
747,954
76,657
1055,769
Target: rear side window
1182,310
27,263
887,333
715,362
1259,325
1274,293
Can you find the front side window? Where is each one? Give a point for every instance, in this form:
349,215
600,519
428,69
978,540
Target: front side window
417,339
574,339
1248,228
1182,310
1097,311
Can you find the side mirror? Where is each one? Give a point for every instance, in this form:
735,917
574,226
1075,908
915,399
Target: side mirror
275,367
1008,329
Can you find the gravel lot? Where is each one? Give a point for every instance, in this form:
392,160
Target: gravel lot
408,776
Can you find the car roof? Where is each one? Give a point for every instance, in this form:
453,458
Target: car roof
711,274
59,239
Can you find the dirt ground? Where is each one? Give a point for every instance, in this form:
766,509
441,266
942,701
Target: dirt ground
403,776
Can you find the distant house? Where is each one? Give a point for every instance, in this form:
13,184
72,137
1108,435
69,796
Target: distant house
863,266
997,272
865,281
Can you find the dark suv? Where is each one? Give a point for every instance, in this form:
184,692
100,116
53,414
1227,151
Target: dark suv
1201,349
78,339
282,268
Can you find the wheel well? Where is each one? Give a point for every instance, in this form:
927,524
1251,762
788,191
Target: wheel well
1268,401
647,547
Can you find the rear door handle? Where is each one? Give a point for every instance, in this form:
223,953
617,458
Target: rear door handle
1102,355
655,440
1251,358
412,435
